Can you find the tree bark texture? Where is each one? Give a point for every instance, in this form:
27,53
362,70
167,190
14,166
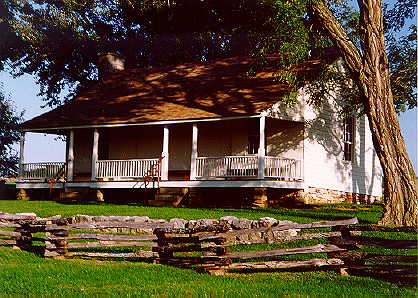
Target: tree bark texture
370,71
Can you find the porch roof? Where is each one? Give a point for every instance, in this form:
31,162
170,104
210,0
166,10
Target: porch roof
181,92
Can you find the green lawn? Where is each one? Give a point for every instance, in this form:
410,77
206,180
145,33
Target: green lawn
23,273
365,213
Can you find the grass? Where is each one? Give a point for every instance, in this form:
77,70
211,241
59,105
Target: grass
365,213
24,273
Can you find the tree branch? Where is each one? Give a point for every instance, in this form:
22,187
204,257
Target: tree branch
332,28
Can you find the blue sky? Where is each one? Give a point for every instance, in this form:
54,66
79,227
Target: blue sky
40,147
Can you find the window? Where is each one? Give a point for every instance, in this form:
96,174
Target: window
348,138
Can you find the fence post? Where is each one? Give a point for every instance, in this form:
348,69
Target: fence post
55,242
24,240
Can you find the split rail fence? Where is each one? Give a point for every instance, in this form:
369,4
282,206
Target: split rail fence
343,245
346,250
109,239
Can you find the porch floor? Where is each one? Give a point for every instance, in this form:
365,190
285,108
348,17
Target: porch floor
182,183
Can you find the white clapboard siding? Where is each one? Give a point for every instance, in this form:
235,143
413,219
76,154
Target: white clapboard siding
324,164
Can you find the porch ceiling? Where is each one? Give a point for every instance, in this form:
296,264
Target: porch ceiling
182,92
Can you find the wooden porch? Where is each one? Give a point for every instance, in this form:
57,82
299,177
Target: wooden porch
207,168
250,160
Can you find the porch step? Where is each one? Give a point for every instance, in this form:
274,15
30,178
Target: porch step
70,196
169,197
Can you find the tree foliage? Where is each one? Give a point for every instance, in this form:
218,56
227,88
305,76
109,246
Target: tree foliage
58,41
8,136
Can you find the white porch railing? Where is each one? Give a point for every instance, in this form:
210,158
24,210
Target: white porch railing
247,166
129,168
227,166
42,170
285,168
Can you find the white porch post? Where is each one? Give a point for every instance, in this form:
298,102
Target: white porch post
164,154
21,153
193,168
95,153
262,148
70,156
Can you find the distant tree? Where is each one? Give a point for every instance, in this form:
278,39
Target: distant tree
8,136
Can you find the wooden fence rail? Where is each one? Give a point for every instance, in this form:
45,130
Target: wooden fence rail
104,239
216,248
217,257
17,230
211,253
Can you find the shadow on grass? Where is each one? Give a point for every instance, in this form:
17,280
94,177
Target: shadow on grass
320,212
402,275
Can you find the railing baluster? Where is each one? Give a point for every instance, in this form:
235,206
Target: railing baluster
132,168
246,166
42,170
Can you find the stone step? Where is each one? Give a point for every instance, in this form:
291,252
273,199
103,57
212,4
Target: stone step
168,197
77,189
72,195
170,190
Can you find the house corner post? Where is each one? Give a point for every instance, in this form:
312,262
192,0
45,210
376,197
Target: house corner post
70,156
21,153
262,149
95,153
164,154
193,164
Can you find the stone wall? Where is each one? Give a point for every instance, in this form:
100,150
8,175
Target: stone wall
318,196
145,226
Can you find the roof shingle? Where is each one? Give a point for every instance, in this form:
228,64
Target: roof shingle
186,91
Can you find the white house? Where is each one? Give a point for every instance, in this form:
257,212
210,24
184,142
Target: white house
206,133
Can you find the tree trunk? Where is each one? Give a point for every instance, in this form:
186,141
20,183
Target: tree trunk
371,73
